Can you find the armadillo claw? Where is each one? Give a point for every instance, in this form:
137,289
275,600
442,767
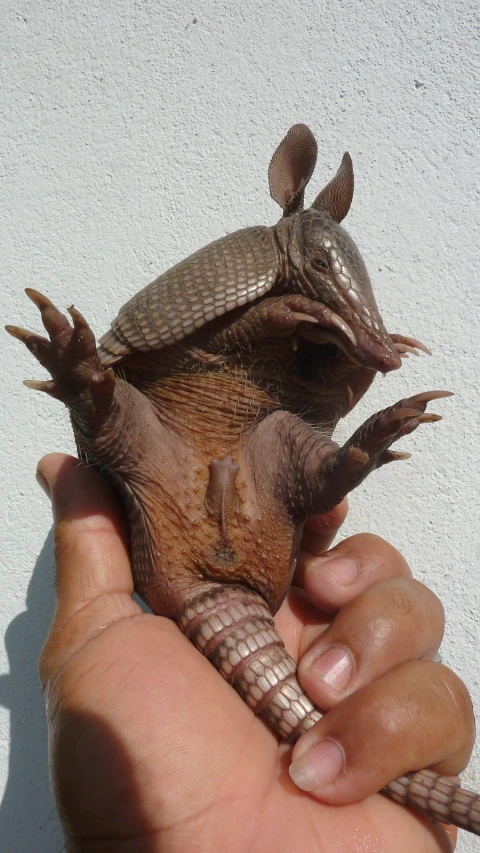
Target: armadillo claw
402,418
429,418
281,316
404,349
48,386
404,344
78,378
369,446
392,456
428,396
54,321
39,346
406,415
42,302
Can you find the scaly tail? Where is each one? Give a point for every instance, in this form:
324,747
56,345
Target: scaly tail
233,627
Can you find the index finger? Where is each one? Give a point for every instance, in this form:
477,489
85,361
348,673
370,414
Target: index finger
320,530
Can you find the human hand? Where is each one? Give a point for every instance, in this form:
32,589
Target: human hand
151,750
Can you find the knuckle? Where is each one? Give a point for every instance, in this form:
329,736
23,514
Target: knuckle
407,597
369,541
432,606
400,602
376,556
454,696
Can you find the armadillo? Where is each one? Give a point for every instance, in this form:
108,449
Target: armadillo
210,406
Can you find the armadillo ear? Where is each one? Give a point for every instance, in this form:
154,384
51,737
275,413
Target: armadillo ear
291,168
336,198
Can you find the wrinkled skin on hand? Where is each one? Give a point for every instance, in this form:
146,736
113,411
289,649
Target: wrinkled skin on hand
150,750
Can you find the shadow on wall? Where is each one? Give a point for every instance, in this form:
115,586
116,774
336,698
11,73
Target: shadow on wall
28,820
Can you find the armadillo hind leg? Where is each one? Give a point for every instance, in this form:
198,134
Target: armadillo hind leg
233,627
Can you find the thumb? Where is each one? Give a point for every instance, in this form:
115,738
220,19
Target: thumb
94,583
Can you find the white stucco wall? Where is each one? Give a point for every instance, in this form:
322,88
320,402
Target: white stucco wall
133,133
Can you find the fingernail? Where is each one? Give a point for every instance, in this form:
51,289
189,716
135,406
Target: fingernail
317,767
345,569
335,667
43,483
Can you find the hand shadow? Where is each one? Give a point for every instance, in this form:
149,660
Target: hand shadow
28,820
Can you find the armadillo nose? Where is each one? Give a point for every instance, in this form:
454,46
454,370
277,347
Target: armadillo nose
390,360
377,353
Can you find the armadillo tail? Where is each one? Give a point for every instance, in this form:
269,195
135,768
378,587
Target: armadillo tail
438,797
233,627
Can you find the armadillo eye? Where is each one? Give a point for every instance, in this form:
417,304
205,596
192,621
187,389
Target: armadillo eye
320,264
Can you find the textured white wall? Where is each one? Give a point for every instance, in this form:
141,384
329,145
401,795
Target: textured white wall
135,132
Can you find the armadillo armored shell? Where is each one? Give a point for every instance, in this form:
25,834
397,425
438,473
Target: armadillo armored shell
228,273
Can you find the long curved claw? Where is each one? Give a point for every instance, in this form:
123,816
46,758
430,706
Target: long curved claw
54,321
330,318
392,456
403,413
304,318
404,349
411,343
397,455
428,396
42,302
48,386
21,334
39,346
70,356
343,326
429,418
410,413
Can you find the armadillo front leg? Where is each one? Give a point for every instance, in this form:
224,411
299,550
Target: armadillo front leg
233,627
278,316
70,356
324,476
106,412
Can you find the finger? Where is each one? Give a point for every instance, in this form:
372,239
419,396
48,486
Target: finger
419,715
90,542
328,582
331,580
391,622
93,579
320,530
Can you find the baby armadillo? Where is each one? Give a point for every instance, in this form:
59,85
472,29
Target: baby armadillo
210,406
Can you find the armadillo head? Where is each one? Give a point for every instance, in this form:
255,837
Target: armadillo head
332,271
325,261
